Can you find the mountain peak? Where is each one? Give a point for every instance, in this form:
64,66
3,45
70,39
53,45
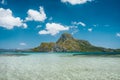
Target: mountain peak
65,36
67,43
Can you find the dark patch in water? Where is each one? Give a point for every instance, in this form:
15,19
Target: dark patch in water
99,54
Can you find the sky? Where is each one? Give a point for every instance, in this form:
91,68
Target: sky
25,24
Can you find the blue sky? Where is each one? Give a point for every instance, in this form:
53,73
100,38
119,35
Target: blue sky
27,23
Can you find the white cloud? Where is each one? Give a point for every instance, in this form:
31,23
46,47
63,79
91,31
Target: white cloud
82,24
24,25
8,21
79,23
75,2
51,18
95,25
23,44
46,32
75,31
90,29
4,2
38,26
53,29
73,27
118,34
36,15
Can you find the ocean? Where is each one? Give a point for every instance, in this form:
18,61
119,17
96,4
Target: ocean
59,66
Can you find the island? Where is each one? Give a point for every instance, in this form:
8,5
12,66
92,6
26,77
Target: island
67,43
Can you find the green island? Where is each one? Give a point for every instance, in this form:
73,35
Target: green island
67,43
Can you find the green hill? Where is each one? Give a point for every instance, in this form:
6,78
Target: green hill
67,43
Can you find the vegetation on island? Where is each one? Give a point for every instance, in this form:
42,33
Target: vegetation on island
67,43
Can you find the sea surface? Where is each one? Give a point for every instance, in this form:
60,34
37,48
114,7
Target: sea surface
59,66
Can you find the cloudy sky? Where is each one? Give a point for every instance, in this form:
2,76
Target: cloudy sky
27,23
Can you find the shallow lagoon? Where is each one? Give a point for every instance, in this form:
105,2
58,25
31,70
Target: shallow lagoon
52,66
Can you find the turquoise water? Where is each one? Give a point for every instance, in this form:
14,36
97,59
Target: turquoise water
80,53
59,66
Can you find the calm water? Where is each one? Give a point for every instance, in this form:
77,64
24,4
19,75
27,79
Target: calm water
52,66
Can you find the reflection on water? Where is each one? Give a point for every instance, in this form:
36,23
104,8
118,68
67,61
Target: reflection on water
59,67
